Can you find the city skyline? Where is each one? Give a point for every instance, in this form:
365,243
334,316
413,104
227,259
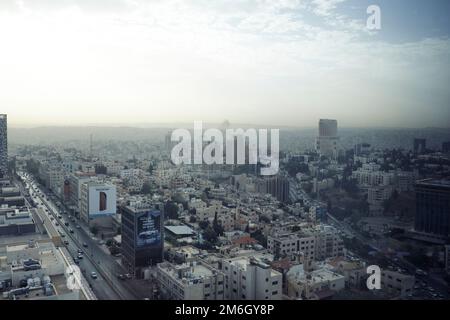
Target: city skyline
287,63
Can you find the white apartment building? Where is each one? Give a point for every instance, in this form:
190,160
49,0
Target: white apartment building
197,204
370,175
250,278
397,283
190,281
293,244
302,284
56,180
354,272
405,181
376,196
313,243
329,243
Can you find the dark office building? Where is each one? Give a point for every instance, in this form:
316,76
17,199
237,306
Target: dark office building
433,207
277,186
420,146
142,237
446,147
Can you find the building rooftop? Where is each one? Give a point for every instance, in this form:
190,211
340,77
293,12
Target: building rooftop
180,230
445,183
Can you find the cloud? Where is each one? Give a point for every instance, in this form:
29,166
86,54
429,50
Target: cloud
211,59
325,8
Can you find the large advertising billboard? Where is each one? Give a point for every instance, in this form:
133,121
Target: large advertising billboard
102,201
148,228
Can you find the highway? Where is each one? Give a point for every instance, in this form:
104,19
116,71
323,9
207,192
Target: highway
101,286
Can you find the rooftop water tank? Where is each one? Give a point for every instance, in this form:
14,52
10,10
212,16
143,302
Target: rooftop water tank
30,282
37,282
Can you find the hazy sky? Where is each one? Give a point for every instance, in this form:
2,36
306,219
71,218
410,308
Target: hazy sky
285,62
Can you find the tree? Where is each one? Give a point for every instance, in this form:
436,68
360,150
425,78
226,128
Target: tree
171,210
114,249
203,224
146,188
210,235
258,236
94,230
217,226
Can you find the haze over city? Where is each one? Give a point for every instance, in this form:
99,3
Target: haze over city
217,158
285,63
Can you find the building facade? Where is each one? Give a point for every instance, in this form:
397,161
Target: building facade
327,141
142,237
3,145
433,207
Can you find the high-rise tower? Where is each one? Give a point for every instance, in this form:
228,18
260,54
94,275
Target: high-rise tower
327,141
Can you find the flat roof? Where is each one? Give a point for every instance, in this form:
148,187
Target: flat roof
435,183
180,230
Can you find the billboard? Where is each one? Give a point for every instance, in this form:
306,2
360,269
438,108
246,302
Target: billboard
148,228
102,201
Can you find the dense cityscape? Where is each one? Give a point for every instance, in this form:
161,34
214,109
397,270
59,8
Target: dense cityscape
88,217
222,159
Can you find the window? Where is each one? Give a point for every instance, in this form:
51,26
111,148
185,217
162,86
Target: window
102,201
274,293
274,283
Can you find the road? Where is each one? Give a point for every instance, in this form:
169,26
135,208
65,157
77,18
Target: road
99,261
431,285
100,286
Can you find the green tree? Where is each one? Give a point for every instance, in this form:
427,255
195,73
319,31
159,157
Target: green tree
210,235
94,230
146,188
171,210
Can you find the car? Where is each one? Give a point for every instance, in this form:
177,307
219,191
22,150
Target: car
70,230
93,275
80,256
76,261
66,242
77,226
121,276
80,251
57,224
85,245
128,276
